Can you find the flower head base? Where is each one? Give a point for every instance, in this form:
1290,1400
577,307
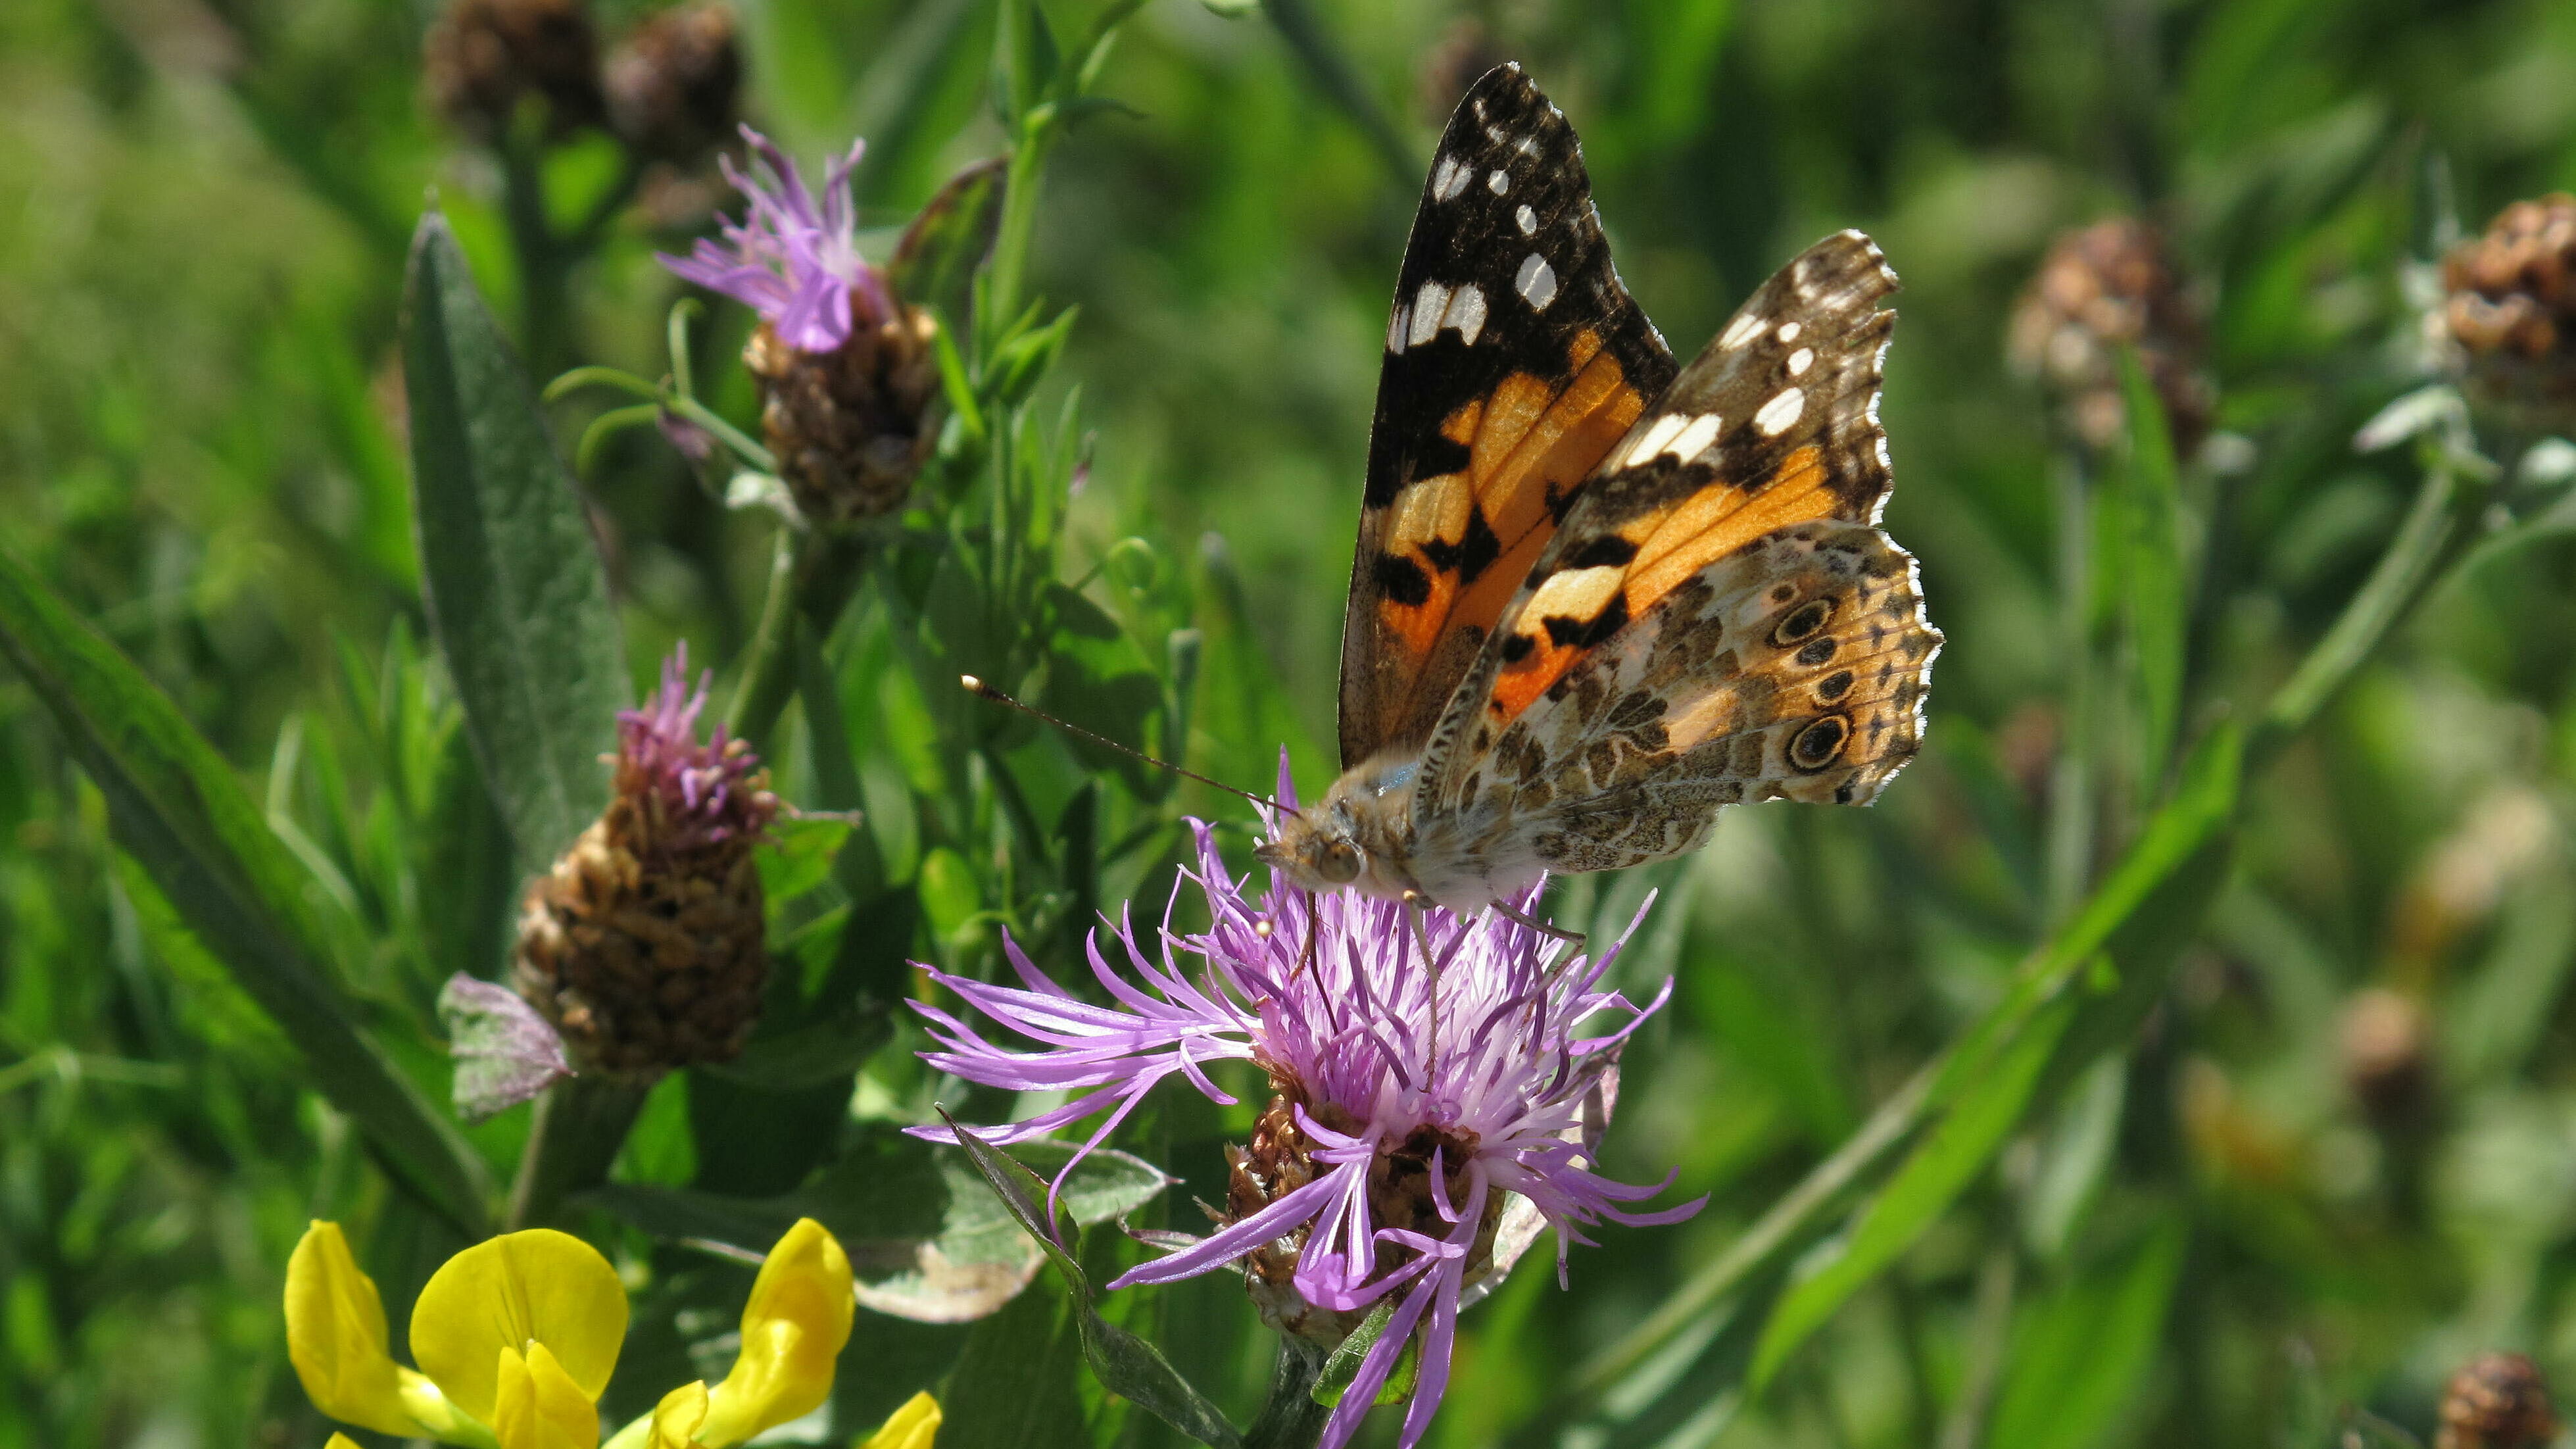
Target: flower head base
1414,1099
2511,313
2101,288
847,372
484,59
672,86
645,944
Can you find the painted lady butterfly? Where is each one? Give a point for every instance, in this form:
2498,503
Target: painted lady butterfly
1598,597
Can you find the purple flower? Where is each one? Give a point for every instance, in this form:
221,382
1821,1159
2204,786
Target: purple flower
797,266
1415,1100
695,794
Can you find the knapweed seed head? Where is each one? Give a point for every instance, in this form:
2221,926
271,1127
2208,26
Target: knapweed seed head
673,84
645,945
846,369
2496,1401
1425,1070
2511,311
484,59
2099,289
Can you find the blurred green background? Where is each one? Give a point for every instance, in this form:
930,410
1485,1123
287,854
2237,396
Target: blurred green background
2339,1157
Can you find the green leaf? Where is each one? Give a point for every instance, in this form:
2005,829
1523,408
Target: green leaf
1931,1179
928,1239
798,855
1344,1363
513,579
1125,1364
2155,591
934,266
1995,1071
176,807
2083,1353
1018,1383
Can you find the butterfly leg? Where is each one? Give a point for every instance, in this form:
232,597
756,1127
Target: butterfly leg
1576,939
1413,903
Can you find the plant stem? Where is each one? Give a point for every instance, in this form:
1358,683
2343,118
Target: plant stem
769,674
2431,539
1290,1418
580,1124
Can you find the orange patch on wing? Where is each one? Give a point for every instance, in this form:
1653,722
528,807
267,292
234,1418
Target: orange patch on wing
1518,686
1715,522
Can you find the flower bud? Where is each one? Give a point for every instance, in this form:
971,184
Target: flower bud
2496,1401
2102,288
645,944
850,427
2511,311
672,85
484,58
2386,1047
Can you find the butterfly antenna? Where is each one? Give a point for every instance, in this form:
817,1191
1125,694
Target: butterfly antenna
981,690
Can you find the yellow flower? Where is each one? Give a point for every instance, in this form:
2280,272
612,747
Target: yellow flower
792,1330
335,1337
914,1426
515,1338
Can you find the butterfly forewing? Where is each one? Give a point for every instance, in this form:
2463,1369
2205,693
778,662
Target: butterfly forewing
1716,619
1515,361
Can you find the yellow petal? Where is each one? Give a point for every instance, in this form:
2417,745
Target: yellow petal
340,1441
538,1286
792,1329
914,1426
539,1406
677,1417
335,1336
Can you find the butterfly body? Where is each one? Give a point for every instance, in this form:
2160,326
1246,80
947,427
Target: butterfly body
1598,596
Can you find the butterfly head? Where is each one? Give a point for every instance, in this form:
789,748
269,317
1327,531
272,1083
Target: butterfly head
1354,836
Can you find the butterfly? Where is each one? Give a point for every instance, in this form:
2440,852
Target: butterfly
1599,596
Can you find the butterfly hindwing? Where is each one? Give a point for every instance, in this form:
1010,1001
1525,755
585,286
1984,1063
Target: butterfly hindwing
1514,362
1717,620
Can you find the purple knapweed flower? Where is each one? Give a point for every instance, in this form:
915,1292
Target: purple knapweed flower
1414,1100
699,794
795,264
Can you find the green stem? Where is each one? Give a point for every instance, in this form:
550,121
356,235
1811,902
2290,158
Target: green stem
769,676
1290,1418
545,267
2432,537
580,1124
1341,81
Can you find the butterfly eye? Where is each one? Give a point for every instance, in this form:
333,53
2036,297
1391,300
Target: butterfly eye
1338,863
1802,623
1818,744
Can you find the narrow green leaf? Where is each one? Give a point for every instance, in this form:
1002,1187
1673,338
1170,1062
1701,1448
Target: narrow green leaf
2083,1353
1344,1363
1126,1364
1018,1383
176,807
513,578
2156,593
1921,1191
934,265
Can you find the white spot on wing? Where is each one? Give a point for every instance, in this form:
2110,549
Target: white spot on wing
1658,433
1395,326
1574,593
1781,412
1740,331
1466,312
1498,183
1495,134
1528,220
1800,360
1427,307
1536,281
1448,179
1789,332
1694,440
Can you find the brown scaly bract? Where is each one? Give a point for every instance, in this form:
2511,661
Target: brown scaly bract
850,428
2512,309
672,86
484,57
2102,288
645,945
